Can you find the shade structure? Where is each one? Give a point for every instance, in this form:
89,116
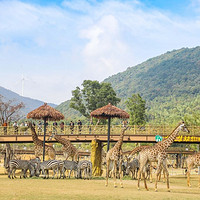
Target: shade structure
107,112
46,113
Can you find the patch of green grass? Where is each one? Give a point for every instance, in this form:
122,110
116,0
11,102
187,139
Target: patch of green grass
62,189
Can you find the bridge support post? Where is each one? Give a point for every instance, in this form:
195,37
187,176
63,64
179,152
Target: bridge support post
96,158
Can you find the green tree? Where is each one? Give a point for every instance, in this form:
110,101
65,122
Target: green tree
93,95
136,109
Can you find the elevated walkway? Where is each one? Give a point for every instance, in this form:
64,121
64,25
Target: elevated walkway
88,133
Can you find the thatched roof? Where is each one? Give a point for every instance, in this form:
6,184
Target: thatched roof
109,111
45,111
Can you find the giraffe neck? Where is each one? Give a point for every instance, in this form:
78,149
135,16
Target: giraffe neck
62,140
34,136
167,142
120,141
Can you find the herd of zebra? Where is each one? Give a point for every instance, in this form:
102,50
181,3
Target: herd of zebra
82,169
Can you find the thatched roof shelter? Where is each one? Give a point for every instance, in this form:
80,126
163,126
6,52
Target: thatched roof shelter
45,112
109,111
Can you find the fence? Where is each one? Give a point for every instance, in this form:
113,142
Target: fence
98,129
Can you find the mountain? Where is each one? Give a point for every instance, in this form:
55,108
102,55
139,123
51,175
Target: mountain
170,84
30,104
173,73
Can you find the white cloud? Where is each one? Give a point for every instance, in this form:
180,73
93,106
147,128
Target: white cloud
59,47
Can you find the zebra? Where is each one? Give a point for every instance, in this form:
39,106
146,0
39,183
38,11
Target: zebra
111,169
133,167
35,162
60,168
69,165
24,165
45,166
86,166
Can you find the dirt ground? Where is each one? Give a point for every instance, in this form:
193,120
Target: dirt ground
38,188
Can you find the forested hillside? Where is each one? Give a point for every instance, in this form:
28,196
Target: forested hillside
170,84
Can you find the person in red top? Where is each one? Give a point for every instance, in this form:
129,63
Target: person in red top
5,124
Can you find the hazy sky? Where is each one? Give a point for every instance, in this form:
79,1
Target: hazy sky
55,45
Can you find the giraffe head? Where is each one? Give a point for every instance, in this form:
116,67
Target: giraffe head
183,127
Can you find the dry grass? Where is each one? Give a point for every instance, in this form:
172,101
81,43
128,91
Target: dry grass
38,188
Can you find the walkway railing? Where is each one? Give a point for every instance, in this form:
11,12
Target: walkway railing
97,129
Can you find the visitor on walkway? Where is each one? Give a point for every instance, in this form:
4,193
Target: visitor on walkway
72,127
79,126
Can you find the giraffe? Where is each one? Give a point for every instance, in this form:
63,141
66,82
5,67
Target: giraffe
115,155
157,153
38,148
69,150
137,150
192,160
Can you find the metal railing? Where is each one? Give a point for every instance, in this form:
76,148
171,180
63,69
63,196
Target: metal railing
97,129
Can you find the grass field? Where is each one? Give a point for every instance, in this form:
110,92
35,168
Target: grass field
38,188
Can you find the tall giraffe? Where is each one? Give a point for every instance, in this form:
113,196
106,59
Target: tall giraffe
157,153
69,150
192,160
38,148
115,155
137,150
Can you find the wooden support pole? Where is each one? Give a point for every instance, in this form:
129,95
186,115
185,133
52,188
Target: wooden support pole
108,142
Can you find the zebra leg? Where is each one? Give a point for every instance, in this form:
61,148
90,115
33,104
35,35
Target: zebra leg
63,172
14,174
57,171
9,172
21,173
44,174
70,173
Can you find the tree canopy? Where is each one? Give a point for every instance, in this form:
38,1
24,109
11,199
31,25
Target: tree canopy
93,95
136,109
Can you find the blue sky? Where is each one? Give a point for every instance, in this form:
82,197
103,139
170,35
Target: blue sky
55,45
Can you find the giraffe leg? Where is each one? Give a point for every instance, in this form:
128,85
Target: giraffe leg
188,177
145,182
151,177
157,175
120,173
199,181
115,173
107,171
165,171
139,176
164,176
